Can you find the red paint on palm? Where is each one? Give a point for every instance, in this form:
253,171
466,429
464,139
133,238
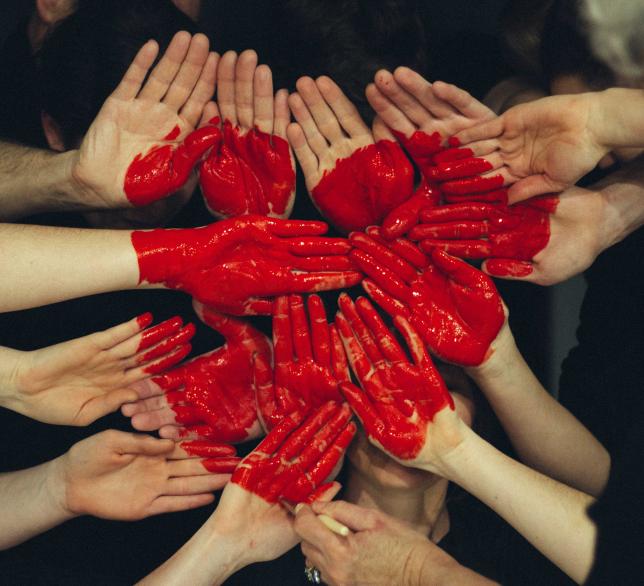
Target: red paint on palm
248,173
364,187
165,168
488,230
455,307
309,361
400,398
400,220
213,395
237,266
298,455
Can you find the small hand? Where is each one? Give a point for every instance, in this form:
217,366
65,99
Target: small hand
353,180
293,462
76,382
123,476
141,148
310,362
251,169
210,397
455,307
422,116
404,406
237,266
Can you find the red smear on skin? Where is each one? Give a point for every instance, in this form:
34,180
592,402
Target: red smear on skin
154,335
168,344
473,184
144,320
249,173
165,168
176,131
170,360
504,268
207,449
421,148
221,465
466,167
364,187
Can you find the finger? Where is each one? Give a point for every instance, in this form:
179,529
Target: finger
300,329
194,109
314,138
364,409
389,112
287,228
171,359
384,256
382,334
137,443
486,130
279,433
304,154
365,336
310,529
449,230
188,75
401,219
414,342
391,305
497,196
345,112
480,184
282,339
323,417
282,113
353,516
509,269
320,336
473,249
144,405
153,420
313,283
164,347
226,87
186,467
244,74
324,118
192,485
340,366
263,99
166,69
202,449
312,245
381,131
533,186
456,212
154,335
462,101
144,388
403,100
172,504
358,358
210,115
135,75
324,493
460,272
466,167
101,406
385,278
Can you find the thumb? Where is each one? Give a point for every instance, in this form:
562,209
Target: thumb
142,444
101,406
532,186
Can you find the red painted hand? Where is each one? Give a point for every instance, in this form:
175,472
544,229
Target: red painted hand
237,266
210,397
509,236
215,457
298,456
309,362
455,307
400,399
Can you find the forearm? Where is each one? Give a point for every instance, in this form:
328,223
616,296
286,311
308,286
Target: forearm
9,360
36,181
32,502
545,435
549,514
209,557
618,120
41,265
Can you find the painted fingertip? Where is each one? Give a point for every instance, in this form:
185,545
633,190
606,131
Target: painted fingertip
144,320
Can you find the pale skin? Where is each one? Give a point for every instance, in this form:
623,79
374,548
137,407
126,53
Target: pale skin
549,144
381,550
113,475
135,118
79,381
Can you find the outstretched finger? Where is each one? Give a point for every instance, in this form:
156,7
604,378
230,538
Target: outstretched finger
244,80
323,281
314,139
263,100
365,336
304,153
189,73
386,340
226,87
300,329
509,269
384,256
462,101
486,130
167,68
358,358
403,100
194,110
388,112
346,113
323,116
459,270
533,186
320,335
339,363
134,77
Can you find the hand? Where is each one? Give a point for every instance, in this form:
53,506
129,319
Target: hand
210,397
353,180
309,362
237,266
292,462
547,145
381,550
77,382
126,477
421,116
404,407
251,169
141,148
455,307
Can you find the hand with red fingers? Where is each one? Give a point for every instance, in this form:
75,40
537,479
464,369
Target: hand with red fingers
455,307
355,178
295,462
310,362
212,396
509,237
404,405
143,145
251,170
237,266
79,381
422,116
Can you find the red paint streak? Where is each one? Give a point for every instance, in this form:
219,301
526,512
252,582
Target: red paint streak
400,220
298,455
213,394
487,230
364,187
455,308
472,185
174,133
249,173
154,335
219,458
400,398
421,148
457,169
168,344
508,268
144,320
165,168
169,360
237,266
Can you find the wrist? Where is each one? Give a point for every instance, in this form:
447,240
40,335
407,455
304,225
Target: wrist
231,543
428,563
501,356
57,488
10,368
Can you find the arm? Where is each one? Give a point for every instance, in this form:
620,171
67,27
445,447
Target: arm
113,475
545,435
